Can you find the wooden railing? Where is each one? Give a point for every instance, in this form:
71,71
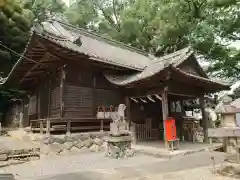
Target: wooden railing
145,131
56,123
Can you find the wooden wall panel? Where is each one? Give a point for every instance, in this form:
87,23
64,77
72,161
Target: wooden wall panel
44,93
79,77
108,97
55,102
78,101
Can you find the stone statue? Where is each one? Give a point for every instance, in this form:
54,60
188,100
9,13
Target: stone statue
119,116
119,125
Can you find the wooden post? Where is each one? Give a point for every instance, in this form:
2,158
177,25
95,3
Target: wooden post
204,119
133,133
165,112
48,128
39,105
128,108
101,128
21,115
210,140
62,93
31,126
41,127
94,97
68,127
49,98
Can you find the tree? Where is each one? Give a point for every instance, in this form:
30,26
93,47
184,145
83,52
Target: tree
39,10
16,19
13,34
82,13
165,26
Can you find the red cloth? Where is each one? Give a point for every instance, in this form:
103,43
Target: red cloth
170,129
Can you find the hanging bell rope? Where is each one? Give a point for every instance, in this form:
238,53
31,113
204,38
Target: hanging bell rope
150,98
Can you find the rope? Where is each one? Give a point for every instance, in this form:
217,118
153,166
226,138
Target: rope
20,55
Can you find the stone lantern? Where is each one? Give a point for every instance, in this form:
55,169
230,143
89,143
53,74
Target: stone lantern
228,113
228,130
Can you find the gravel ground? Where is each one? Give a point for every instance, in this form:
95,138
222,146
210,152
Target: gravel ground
94,166
204,173
52,165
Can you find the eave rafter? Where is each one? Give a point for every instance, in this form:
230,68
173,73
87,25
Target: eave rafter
37,64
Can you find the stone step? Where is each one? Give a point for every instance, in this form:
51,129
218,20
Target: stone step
7,177
164,153
20,153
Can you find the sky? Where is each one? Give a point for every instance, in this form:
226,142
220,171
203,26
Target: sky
236,44
67,2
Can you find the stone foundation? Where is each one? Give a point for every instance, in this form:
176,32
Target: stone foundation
84,142
118,147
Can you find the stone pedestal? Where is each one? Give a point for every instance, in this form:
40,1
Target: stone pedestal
230,144
118,146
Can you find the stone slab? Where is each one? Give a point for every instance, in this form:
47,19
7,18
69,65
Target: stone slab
7,177
117,138
224,132
3,157
166,154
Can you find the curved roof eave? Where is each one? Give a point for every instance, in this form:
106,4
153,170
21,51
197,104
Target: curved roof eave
153,69
221,85
131,79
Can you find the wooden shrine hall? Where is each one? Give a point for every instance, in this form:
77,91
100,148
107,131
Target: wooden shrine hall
71,75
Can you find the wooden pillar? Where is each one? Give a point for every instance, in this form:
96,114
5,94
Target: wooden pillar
41,127
62,90
21,125
204,119
68,127
133,133
128,110
94,110
37,106
49,98
31,126
165,112
101,125
48,127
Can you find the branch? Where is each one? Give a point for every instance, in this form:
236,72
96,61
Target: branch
189,5
115,14
201,4
106,16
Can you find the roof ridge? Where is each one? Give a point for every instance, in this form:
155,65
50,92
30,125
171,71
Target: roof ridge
102,37
173,54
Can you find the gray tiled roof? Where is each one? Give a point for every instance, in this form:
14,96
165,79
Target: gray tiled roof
154,67
236,103
101,49
96,47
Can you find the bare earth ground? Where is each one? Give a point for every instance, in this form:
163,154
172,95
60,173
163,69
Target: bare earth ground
94,166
